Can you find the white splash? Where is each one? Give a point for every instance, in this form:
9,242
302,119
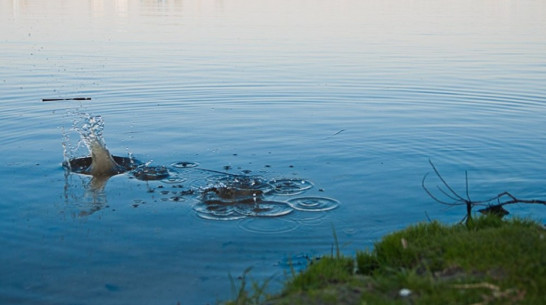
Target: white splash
103,164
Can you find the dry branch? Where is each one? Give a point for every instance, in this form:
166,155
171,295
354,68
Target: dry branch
494,205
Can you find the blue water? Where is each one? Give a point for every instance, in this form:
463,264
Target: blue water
354,96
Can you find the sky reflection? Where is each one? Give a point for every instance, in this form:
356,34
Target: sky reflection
367,18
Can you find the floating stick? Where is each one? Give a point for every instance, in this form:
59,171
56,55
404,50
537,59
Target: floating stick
66,99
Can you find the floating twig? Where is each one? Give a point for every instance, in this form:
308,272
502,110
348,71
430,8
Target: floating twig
335,134
66,99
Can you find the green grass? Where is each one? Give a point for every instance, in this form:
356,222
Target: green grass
490,261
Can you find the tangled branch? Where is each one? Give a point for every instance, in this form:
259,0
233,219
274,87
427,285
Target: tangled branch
494,205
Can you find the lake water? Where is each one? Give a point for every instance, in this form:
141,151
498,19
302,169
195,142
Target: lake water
352,96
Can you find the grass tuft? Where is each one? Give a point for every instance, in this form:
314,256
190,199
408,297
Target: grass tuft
486,261
243,296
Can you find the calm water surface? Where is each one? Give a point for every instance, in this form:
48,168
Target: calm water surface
354,96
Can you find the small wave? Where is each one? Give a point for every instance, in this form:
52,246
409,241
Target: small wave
268,225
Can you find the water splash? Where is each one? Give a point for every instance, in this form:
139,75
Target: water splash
224,196
100,163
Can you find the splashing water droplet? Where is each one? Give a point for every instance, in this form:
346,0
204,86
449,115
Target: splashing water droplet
100,163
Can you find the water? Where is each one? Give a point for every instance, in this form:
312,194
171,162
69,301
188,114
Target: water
353,97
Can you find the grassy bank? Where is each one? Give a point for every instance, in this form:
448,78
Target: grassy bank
490,261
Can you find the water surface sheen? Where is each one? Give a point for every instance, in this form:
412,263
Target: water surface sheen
353,97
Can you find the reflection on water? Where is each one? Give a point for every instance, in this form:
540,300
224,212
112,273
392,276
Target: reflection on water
324,113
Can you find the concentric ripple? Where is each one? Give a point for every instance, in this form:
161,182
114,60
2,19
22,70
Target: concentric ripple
313,204
288,186
185,164
231,197
264,209
217,211
273,225
82,165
